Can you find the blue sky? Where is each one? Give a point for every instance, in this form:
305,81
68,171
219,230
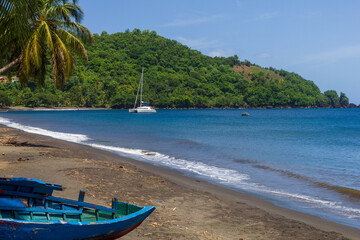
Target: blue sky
318,39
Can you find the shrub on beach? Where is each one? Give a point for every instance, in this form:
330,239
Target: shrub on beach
4,99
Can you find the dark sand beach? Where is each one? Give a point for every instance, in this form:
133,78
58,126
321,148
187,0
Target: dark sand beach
186,208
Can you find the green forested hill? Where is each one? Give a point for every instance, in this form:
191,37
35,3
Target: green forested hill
175,77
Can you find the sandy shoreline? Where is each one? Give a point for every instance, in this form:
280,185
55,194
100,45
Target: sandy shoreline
186,208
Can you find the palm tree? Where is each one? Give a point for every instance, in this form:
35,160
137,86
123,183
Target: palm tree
53,33
15,19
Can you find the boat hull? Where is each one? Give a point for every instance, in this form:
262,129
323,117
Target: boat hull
62,230
139,110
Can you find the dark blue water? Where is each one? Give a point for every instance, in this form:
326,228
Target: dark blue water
303,159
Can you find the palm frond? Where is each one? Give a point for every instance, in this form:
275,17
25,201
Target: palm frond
46,33
73,43
64,12
75,11
35,29
64,61
58,12
77,30
15,18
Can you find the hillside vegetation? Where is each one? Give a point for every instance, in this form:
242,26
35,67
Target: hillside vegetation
175,77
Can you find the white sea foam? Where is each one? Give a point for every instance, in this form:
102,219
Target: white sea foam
315,202
222,175
70,137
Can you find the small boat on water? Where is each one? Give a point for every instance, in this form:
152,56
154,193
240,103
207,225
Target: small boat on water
29,211
143,106
142,109
245,114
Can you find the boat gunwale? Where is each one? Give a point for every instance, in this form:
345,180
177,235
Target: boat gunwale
142,211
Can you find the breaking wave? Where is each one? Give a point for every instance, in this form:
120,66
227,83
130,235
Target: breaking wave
351,192
71,137
222,175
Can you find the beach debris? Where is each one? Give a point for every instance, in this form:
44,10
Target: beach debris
126,170
8,141
3,153
23,159
148,153
208,235
155,179
155,224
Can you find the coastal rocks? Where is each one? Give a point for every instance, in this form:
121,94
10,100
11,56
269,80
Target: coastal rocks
352,105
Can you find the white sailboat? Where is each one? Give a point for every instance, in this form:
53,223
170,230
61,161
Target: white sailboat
143,107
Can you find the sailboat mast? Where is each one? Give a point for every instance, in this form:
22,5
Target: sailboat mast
142,81
137,94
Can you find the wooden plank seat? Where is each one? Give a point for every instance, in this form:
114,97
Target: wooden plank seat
58,200
29,185
43,210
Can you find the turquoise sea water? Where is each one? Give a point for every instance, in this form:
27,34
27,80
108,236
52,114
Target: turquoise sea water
302,159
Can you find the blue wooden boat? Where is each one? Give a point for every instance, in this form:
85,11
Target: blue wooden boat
29,211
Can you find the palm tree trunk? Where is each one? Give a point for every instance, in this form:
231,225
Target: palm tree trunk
10,65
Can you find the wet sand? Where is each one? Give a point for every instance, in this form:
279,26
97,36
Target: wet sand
186,208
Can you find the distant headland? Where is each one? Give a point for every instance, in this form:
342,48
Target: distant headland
175,77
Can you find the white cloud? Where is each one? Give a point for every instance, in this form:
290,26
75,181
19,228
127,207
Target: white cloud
212,48
264,55
194,21
332,55
198,43
217,53
263,17
222,53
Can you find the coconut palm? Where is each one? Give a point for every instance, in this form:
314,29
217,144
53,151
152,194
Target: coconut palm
15,19
53,34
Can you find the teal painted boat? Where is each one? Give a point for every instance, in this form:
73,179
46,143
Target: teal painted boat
29,211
